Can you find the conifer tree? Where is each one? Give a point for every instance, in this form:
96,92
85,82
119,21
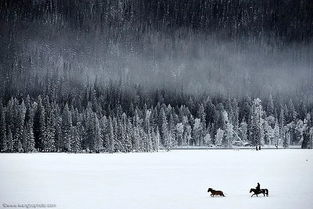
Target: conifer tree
39,125
3,138
66,128
9,141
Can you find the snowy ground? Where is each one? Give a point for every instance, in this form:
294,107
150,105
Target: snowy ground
164,180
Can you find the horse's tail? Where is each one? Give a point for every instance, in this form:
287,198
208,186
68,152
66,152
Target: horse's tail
266,192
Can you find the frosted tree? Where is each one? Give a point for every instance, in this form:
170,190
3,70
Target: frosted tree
128,136
276,135
235,119
39,125
292,114
19,124
297,131
286,140
103,128
282,123
165,138
202,116
307,133
29,137
207,139
219,137
48,141
179,133
157,140
197,132
3,138
75,139
97,140
9,141
66,128
228,135
243,131
256,122
110,132
187,135
171,130
269,125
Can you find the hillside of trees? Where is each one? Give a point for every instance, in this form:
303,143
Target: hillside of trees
55,113
123,75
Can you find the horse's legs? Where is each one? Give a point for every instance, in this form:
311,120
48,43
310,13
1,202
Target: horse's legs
252,195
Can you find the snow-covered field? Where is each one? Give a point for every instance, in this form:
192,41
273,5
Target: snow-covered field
164,180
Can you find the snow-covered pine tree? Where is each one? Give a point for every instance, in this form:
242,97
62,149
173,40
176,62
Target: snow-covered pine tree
39,125
164,129
243,131
202,116
48,141
229,135
282,123
129,134
97,140
235,120
197,132
179,133
219,137
29,137
3,138
156,143
9,141
276,134
256,122
75,140
111,140
103,128
66,128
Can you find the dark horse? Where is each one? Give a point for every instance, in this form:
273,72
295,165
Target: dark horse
216,192
257,192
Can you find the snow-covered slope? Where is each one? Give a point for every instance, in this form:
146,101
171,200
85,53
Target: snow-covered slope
164,180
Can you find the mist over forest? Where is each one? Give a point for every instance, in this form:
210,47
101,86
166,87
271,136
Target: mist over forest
83,73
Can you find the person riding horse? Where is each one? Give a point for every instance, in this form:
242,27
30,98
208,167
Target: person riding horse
258,188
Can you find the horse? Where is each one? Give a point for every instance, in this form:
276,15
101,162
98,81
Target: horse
257,192
216,192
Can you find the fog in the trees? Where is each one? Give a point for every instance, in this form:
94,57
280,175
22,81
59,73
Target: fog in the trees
138,75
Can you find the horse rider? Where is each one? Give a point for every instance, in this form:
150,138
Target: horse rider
258,187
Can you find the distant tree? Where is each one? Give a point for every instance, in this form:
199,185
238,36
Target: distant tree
111,141
10,141
197,132
66,128
219,137
39,125
97,139
29,137
179,133
243,131
3,138
256,122
165,138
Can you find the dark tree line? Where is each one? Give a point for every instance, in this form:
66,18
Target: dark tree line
57,114
287,20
